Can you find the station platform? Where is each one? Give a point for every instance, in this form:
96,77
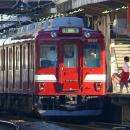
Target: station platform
117,105
118,94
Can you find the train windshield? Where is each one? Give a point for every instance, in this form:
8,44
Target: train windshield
70,56
92,55
48,55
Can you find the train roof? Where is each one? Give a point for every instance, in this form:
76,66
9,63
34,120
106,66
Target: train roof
64,22
11,40
57,28
56,23
48,25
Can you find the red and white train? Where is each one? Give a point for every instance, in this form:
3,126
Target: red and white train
59,72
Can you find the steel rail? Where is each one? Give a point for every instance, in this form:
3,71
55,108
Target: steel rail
11,125
85,126
95,126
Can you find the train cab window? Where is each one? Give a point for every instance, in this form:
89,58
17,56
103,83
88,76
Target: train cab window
70,56
10,58
92,55
48,56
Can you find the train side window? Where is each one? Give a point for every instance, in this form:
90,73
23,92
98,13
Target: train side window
10,58
2,59
70,56
48,56
14,66
32,56
24,57
92,55
7,54
17,58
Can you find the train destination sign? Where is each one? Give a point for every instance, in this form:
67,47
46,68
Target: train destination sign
70,30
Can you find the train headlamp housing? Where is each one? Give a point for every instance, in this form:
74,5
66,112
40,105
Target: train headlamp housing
87,34
53,34
41,86
98,86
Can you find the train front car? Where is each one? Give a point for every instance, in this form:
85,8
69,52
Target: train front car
70,69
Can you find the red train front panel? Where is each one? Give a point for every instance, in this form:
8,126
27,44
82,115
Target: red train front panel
70,64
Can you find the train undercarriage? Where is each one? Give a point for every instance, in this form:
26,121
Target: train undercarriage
52,106
69,106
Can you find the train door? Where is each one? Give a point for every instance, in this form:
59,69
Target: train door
24,67
6,70
17,77
1,70
2,74
31,67
70,67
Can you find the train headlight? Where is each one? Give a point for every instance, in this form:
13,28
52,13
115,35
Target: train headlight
98,86
87,34
53,34
41,86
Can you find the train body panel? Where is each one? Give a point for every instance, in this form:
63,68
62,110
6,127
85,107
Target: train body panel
17,68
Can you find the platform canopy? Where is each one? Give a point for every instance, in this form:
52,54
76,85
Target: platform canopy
21,6
92,6
16,13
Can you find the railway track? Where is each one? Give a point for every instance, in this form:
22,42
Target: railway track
107,126
6,125
95,126
26,123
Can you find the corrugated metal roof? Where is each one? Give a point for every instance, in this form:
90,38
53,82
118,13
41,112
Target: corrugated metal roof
92,6
78,3
59,1
7,4
14,5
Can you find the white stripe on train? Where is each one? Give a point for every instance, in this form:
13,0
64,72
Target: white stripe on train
88,78
45,78
95,77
